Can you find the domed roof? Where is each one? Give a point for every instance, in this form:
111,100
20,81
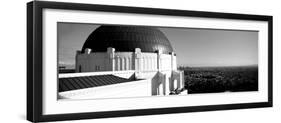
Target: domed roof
127,38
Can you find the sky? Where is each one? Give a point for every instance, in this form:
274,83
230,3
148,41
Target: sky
194,47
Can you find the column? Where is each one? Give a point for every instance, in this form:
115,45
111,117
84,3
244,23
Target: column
138,63
111,59
159,65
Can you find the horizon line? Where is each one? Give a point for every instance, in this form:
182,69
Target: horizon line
218,65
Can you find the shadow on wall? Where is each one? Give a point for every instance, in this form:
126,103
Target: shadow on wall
133,77
163,84
156,88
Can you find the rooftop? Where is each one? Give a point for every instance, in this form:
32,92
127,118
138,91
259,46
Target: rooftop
75,83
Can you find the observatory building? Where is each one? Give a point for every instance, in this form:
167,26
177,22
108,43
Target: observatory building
123,61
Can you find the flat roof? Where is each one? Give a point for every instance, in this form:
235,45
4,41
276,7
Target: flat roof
75,83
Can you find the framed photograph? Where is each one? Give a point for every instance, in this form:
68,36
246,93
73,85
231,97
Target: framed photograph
89,61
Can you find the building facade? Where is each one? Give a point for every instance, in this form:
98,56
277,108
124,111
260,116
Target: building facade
144,52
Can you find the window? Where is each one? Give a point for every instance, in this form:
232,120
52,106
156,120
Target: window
80,68
97,68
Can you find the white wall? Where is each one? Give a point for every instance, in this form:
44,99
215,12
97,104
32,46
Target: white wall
140,88
123,61
13,68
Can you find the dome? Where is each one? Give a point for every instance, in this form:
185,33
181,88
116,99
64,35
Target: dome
127,38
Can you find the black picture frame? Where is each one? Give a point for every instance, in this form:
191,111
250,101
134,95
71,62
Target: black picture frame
35,69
